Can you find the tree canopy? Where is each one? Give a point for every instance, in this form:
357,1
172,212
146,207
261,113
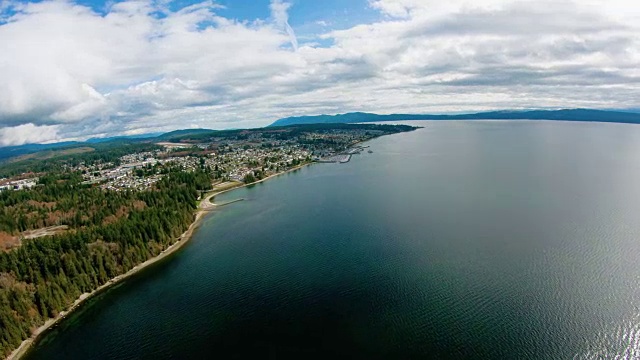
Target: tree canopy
109,233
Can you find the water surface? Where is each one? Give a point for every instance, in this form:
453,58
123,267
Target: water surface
492,239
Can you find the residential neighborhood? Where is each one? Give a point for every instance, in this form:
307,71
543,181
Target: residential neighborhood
241,156
244,158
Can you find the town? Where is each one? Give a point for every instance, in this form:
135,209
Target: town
243,156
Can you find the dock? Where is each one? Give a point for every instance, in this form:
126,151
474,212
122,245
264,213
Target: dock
229,202
344,157
341,158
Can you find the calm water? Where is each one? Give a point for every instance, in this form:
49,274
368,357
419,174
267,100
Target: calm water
460,240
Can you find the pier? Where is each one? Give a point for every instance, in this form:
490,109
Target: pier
228,202
341,158
344,157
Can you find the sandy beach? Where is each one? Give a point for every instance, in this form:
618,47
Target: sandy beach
204,207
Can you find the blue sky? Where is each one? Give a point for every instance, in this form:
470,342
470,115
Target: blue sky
72,70
304,14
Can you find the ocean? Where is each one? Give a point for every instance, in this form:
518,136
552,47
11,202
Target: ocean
464,239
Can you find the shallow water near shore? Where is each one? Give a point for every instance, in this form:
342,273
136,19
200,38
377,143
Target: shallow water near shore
492,239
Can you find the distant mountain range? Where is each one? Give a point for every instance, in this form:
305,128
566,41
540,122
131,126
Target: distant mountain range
563,115
632,117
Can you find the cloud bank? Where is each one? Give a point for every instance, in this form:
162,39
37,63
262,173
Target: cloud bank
69,72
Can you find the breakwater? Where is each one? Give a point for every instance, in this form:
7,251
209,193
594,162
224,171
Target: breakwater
341,158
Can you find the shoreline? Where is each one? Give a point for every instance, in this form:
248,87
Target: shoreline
204,207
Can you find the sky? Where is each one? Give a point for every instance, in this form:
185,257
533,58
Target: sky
73,70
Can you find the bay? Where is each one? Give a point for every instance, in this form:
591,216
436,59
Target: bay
465,239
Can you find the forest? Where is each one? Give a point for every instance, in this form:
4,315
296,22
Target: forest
108,234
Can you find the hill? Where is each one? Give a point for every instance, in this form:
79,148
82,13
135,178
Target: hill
8,152
179,134
32,151
563,115
123,137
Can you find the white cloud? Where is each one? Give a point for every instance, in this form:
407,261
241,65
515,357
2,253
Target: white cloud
279,11
398,9
27,133
129,70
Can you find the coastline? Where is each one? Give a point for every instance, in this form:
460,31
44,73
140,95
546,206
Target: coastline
205,206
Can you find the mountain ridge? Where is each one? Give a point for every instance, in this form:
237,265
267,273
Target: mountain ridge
592,115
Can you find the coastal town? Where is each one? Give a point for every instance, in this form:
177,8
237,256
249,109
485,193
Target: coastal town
245,157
